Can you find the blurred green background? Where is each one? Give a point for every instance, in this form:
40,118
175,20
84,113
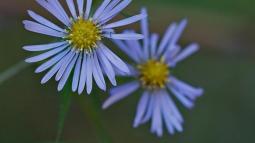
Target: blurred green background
224,67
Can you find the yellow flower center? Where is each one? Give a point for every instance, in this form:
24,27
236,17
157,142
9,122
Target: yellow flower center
84,34
154,74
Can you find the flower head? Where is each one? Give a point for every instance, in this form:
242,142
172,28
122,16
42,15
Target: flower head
152,72
80,46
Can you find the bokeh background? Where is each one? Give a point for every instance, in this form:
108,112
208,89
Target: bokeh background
224,67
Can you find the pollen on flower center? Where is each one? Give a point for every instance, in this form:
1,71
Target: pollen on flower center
84,34
154,74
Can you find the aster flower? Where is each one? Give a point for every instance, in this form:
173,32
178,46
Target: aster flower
80,46
154,62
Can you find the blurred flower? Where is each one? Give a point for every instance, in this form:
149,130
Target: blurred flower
154,63
80,45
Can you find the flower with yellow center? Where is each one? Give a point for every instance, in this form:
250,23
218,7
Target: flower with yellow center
84,34
154,78
80,52
154,74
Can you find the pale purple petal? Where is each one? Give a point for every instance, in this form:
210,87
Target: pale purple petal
150,109
88,8
41,29
141,109
34,48
89,81
153,43
120,92
77,72
45,55
186,89
168,37
109,8
145,32
101,9
107,68
191,49
52,71
49,7
126,21
52,61
64,65
44,21
114,59
67,73
71,6
156,117
177,33
58,7
171,120
115,11
181,97
97,73
126,49
80,4
83,74
125,36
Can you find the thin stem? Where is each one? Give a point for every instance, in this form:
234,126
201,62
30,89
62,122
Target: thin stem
12,71
65,103
91,107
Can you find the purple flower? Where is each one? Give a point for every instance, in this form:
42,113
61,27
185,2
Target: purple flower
154,62
80,47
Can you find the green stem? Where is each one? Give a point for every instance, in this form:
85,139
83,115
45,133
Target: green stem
65,103
91,107
12,71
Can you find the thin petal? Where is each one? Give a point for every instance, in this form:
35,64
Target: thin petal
64,65
77,72
115,60
141,109
34,48
89,81
191,49
126,21
120,92
101,9
97,73
145,32
60,9
52,61
45,55
186,89
126,36
170,118
83,73
44,21
71,6
168,37
126,49
107,68
88,8
115,11
154,42
67,73
41,29
49,7
80,4
109,8
156,117
184,100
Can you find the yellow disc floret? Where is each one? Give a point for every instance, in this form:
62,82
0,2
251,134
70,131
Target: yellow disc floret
84,34
154,74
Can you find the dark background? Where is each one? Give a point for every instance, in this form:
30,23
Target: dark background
224,67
